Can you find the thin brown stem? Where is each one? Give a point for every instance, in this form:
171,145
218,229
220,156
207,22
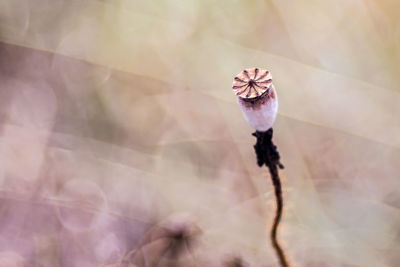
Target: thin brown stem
268,155
278,214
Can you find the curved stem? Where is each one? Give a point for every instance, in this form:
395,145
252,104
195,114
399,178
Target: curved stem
268,155
278,214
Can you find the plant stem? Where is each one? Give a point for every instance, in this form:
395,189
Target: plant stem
278,214
268,155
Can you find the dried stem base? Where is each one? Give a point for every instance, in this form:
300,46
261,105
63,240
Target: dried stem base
268,155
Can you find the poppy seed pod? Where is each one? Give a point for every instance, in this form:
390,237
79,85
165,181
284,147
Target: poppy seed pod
258,100
256,97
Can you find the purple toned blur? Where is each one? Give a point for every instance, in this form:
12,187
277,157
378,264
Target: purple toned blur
121,142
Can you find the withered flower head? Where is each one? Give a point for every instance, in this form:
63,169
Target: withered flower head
257,97
236,262
168,240
251,83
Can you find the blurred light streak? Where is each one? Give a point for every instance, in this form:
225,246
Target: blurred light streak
117,115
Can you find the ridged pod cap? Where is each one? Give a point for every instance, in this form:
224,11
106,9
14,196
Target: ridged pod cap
252,83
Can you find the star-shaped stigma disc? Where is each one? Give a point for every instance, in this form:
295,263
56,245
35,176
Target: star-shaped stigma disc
252,83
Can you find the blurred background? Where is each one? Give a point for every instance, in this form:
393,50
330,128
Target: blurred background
121,142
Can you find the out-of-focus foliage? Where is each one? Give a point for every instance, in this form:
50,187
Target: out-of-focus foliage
121,141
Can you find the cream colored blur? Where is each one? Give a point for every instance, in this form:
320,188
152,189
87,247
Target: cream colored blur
118,115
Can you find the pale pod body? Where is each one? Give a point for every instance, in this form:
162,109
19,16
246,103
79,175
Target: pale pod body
257,98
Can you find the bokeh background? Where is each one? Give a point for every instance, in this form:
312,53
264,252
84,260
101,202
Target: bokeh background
119,130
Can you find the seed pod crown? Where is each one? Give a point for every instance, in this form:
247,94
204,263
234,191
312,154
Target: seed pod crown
251,83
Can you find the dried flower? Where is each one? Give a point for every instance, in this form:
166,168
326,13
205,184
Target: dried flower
258,100
257,97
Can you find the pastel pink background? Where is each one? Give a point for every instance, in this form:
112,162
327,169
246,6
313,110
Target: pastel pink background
117,122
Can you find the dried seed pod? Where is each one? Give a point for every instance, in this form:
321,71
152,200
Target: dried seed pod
257,97
258,100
